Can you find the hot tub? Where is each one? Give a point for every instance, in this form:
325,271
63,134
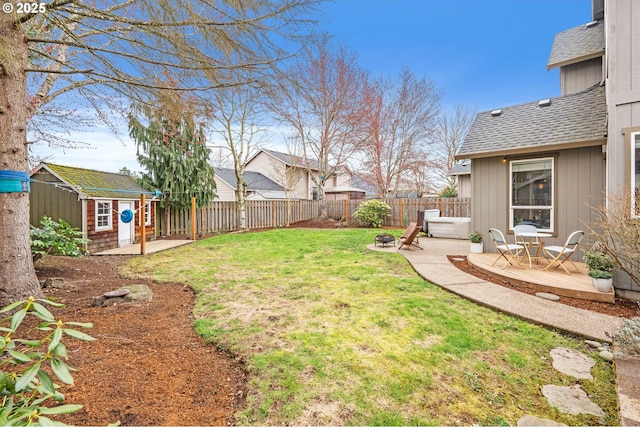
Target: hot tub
449,227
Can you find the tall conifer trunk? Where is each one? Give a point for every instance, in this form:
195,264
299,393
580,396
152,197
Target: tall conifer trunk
17,273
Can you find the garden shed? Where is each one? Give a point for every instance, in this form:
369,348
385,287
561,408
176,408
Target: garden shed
92,201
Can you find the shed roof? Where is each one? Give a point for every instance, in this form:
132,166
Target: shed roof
90,183
255,180
572,120
577,44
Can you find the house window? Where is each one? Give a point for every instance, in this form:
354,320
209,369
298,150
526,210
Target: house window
635,174
531,193
147,213
103,215
314,193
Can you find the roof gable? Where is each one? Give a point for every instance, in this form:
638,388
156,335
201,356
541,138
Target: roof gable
96,184
578,118
577,44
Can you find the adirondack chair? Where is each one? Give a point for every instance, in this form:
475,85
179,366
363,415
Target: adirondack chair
410,237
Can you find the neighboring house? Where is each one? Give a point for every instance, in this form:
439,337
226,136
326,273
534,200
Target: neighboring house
550,162
259,187
291,172
462,173
91,201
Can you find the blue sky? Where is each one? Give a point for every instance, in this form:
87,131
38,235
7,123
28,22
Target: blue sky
484,54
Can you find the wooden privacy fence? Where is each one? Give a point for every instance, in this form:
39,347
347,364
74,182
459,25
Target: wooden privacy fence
223,216
404,211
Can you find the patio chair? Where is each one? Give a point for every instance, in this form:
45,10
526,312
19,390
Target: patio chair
562,254
410,237
519,239
509,252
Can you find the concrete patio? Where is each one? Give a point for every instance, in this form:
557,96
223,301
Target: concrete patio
151,247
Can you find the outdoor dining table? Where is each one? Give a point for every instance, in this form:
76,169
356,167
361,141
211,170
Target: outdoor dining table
539,237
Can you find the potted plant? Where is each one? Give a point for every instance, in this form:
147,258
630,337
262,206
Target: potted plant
600,270
475,244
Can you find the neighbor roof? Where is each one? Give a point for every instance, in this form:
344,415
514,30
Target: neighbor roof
462,167
292,160
95,184
255,180
578,119
577,44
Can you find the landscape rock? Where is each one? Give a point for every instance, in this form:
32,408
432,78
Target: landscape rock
572,400
607,355
548,296
127,294
572,362
531,421
57,283
594,344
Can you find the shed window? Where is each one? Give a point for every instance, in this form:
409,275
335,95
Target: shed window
103,215
635,174
531,193
147,213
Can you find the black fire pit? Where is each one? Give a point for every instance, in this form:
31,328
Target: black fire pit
385,239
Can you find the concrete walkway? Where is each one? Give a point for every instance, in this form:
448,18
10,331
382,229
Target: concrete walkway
151,247
432,264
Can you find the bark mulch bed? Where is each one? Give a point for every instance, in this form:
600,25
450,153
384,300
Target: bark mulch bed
621,308
148,367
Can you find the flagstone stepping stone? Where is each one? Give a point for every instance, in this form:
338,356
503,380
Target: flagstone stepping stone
547,295
572,400
594,344
572,362
531,421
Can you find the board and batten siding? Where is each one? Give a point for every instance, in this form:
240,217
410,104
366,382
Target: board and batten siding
55,202
622,33
578,181
224,191
577,77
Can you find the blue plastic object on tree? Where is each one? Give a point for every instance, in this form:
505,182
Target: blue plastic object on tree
126,216
14,182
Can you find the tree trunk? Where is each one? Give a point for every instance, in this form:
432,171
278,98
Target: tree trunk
242,210
17,274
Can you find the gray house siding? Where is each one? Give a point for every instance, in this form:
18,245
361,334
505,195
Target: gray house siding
46,199
578,183
575,78
623,100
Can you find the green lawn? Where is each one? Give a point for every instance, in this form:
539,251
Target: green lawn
335,334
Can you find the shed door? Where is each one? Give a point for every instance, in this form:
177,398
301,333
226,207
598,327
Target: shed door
125,231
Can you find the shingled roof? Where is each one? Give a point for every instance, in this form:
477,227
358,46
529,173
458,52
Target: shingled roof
255,180
91,183
576,119
577,44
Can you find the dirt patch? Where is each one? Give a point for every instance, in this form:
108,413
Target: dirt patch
148,366
621,308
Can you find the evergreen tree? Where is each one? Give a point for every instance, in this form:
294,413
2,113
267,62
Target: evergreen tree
172,149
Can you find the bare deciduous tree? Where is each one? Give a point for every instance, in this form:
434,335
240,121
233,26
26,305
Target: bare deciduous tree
451,128
400,121
321,102
108,51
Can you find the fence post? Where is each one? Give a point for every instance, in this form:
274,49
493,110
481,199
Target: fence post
143,225
193,218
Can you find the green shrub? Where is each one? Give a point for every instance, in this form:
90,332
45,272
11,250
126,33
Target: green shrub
598,261
475,237
628,338
56,238
25,384
372,212
449,192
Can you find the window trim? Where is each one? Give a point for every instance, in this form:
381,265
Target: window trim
109,215
147,213
551,209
